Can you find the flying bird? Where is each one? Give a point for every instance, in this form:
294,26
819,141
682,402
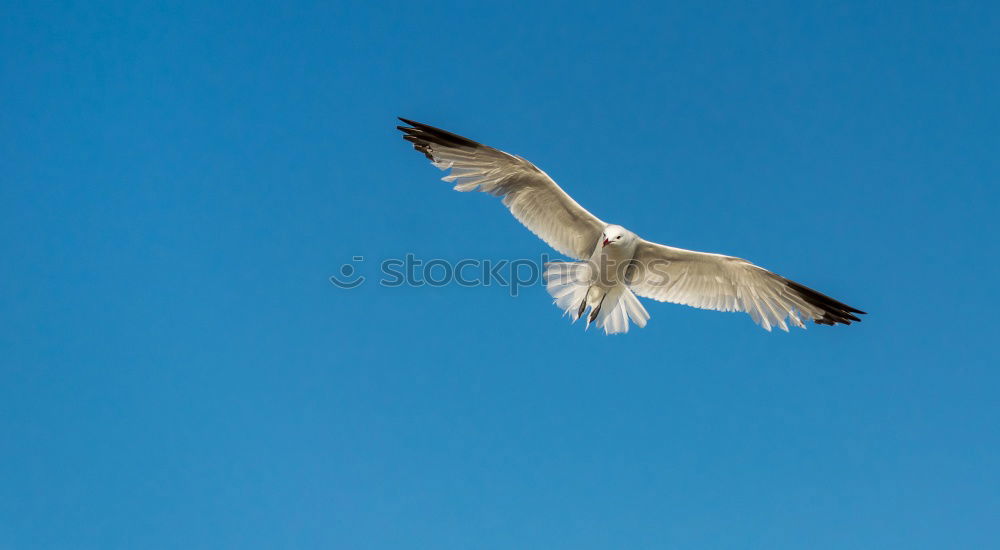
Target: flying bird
616,263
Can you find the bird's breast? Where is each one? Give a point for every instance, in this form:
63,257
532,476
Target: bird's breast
610,263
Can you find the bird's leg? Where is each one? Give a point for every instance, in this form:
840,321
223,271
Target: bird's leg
596,310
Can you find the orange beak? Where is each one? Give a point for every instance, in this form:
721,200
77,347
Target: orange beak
606,242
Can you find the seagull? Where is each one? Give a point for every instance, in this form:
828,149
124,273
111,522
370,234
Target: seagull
616,264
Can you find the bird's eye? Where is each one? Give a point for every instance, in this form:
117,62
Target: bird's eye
618,237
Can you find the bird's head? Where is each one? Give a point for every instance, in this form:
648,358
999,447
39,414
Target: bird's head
616,235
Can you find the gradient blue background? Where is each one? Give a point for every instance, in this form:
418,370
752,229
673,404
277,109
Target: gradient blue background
179,181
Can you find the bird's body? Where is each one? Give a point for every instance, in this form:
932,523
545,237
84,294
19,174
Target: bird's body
616,263
600,284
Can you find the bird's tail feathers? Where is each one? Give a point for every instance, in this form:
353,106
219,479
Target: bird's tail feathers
569,283
620,305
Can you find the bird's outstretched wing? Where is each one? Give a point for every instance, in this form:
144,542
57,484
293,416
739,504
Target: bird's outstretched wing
725,283
530,194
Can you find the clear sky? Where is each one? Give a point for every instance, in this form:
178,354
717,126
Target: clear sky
179,181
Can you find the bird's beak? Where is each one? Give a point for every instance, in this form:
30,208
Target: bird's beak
606,242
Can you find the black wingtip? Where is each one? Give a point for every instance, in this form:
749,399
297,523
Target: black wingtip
834,311
431,135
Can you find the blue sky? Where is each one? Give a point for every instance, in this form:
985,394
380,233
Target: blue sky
179,182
